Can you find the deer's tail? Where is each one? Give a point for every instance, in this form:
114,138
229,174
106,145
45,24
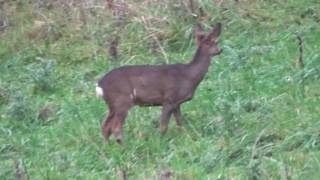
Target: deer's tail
99,91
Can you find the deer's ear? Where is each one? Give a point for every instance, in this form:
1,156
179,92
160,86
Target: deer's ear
199,34
214,33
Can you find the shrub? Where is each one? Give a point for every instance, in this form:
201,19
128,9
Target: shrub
19,108
41,75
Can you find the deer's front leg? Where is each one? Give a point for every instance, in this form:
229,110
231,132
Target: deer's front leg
178,116
165,117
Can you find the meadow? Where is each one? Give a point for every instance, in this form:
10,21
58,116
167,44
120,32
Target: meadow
254,116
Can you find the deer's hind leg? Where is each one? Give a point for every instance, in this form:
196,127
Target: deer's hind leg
113,124
117,125
107,125
121,109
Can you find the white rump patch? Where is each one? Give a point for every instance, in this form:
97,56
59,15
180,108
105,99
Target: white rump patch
99,91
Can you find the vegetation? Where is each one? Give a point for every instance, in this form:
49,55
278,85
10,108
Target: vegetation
255,116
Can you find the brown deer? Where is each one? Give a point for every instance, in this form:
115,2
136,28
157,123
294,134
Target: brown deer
156,85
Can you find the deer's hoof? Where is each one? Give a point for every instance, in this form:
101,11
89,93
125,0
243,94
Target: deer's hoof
118,137
119,141
163,130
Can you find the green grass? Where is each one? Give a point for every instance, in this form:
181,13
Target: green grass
255,115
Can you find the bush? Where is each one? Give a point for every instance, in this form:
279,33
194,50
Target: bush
19,108
41,75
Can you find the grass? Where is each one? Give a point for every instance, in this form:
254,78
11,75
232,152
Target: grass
255,116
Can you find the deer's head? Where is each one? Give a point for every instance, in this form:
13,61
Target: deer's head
208,43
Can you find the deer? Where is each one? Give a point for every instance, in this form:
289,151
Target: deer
166,85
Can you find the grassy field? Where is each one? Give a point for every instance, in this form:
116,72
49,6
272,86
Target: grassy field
256,115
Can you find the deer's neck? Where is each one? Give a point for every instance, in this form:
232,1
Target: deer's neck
198,67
